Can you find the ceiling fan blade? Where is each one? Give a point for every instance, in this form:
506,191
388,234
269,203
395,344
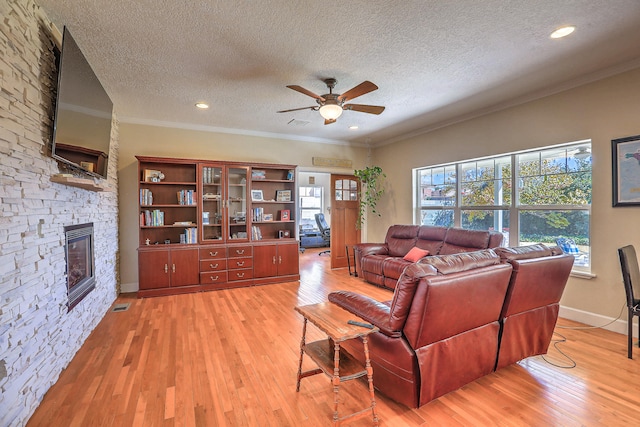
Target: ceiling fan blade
306,92
361,89
329,121
371,109
297,109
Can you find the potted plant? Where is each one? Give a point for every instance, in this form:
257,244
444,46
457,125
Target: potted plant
370,190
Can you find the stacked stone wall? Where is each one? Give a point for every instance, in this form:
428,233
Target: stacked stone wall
38,337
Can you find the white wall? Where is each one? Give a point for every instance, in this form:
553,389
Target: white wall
38,338
600,111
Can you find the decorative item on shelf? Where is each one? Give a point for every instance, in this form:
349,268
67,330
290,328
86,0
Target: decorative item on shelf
285,215
290,175
258,174
239,217
267,217
283,195
284,234
256,196
87,166
151,175
205,218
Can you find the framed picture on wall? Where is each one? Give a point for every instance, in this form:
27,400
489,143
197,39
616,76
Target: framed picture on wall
625,156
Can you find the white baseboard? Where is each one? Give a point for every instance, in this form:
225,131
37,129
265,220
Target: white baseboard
597,320
127,288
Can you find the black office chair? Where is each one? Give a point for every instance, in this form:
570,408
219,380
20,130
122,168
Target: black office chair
631,278
325,230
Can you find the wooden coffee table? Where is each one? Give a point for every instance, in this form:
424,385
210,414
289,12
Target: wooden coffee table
340,366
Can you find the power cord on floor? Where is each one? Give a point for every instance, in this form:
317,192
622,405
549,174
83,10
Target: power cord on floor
563,339
572,363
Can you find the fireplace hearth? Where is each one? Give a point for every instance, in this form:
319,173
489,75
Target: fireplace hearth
80,262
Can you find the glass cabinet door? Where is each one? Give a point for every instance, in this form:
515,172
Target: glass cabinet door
237,203
212,202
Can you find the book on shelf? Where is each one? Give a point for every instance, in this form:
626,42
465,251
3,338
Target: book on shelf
256,233
186,197
258,214
146,197
152,218
189,236
258,174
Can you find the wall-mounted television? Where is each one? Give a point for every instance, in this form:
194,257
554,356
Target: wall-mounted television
83,110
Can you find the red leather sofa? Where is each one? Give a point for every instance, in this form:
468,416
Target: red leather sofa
454,318
383,263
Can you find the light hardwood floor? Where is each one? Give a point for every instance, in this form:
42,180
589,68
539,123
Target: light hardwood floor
229,358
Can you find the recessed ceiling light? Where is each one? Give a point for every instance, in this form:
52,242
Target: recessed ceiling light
563,31
202,105
354,127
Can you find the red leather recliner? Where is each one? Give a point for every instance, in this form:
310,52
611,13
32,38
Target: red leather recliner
440,330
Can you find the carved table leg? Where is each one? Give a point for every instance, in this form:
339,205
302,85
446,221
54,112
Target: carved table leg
302,342
370,379
336,381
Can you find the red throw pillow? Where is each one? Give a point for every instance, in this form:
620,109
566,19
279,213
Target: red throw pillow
415,254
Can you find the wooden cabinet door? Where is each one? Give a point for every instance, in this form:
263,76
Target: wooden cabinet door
184,267
265,261
288,259
153,270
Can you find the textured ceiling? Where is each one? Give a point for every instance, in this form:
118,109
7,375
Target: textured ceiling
434,61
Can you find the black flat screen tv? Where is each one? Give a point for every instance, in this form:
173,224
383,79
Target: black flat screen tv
83,110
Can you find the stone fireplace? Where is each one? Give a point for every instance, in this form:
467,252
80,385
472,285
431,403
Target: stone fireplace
80,262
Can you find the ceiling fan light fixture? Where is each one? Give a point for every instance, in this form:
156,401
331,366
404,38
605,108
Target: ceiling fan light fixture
563,31
331,111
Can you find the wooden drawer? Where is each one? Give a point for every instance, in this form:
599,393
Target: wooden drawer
213,265
213,277
240,251
213,252
243,274
238,263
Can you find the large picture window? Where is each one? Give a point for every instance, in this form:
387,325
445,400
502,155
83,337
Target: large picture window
540,196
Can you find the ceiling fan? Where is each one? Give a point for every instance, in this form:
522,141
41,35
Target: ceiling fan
331,105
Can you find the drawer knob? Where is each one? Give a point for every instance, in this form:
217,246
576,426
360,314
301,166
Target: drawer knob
213,253
240,274
240,263
240,251
213,278
213,265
